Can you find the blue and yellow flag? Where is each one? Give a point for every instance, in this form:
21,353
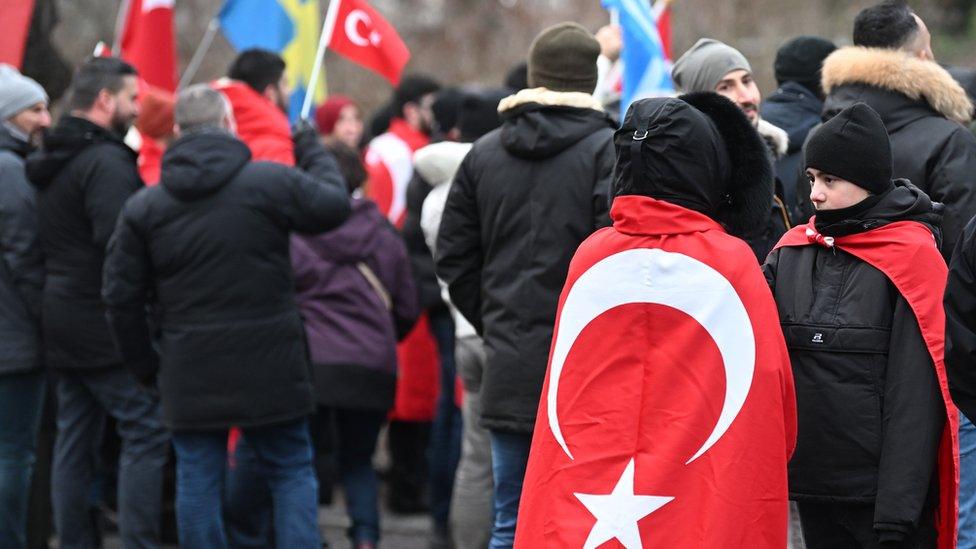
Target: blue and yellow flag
288,27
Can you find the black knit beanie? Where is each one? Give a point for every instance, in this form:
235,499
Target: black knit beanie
854,146
563,58
799,60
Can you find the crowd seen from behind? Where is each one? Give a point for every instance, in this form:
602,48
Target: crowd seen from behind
203,345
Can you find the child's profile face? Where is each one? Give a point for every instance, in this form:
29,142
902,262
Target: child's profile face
829,192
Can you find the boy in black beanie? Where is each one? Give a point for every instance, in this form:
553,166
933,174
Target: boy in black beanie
870,410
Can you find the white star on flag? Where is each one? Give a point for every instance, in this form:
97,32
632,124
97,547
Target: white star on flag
618,512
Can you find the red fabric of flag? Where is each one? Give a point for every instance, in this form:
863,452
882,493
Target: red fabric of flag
668,414
664,30
16,25
363,36
148,42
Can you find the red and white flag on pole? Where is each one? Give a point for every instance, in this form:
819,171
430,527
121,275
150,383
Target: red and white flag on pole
148,42
16,25
360,34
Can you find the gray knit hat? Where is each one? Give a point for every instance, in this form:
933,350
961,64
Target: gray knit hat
563,58
17,92
702,67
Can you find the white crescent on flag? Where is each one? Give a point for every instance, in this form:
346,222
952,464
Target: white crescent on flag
648,275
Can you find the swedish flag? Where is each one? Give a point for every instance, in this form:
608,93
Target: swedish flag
288,27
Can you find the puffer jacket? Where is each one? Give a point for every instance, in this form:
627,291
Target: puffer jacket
925,112
523,200
21,262
83,175
356,295
870,413
207,248
795,109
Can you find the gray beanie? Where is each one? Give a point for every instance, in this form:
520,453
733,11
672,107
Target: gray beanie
702,67
17,92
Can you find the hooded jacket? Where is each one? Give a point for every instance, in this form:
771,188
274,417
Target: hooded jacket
21,263
83,175
208,249
351,329
523,200
924,111
869,408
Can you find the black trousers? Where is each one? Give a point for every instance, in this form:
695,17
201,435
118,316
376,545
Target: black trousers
851,526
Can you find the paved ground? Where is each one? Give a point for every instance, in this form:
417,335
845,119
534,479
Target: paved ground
399,531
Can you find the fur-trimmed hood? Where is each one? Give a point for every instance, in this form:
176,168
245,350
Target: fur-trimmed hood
540,123
899,72
774,136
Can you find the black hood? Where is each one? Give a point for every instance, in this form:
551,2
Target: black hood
68,139
896,110
535,131
10,143
698,151
905,202
199,163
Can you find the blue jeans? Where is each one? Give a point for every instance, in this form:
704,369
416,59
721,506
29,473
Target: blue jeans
281,454
21,400
967,483
444,448
84,397
509,456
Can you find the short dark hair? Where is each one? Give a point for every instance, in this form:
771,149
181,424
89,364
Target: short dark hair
890,24
411,89
95,75
257,68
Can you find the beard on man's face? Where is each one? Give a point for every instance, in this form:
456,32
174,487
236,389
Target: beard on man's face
121,123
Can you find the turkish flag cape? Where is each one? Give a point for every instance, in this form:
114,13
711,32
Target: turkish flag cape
361,35
667,415
899,250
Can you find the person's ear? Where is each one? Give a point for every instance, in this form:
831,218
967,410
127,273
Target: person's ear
177,131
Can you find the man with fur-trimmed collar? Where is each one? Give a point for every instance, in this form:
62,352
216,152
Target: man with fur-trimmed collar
891,68
712,66
523,200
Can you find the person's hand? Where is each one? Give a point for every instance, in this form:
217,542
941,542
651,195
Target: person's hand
306,139
611,41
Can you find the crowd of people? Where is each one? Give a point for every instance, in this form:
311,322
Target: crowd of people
714,321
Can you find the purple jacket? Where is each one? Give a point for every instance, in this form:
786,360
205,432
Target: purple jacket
351,334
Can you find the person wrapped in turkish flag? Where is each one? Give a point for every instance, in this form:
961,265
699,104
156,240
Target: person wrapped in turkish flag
859,292
668,415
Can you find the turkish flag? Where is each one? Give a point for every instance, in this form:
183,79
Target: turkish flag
362,36
148,43
667,415
897,250
16,25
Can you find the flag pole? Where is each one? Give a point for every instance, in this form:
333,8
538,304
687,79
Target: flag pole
324,38
121,17
202,49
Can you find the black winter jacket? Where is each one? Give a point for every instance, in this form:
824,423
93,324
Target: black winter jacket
84,174
522,201
208,249
960,306
795,109
930,145
869,411
421,260
21,263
